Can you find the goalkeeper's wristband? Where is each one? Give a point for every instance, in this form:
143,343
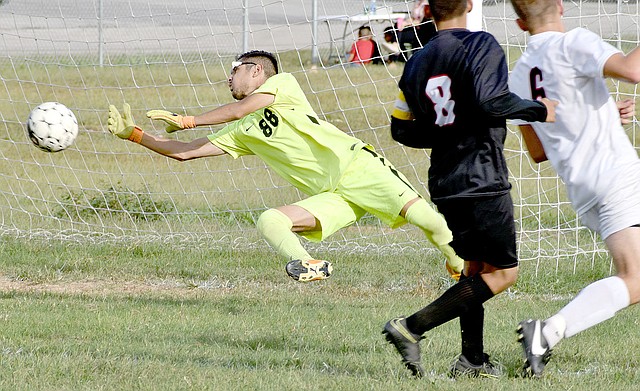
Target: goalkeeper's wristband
136,135
188,122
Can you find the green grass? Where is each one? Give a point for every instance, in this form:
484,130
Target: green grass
155,317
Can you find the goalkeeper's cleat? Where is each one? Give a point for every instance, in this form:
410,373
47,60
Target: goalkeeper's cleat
406,343
462,367
311,270
536,349
455,275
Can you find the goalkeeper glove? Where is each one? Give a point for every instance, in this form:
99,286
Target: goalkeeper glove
174,121
123,125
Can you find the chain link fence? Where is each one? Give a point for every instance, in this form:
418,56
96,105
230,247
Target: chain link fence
94,31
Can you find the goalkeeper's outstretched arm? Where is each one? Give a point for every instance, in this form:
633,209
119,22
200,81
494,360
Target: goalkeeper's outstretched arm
123,126
223,114
236,110
179,150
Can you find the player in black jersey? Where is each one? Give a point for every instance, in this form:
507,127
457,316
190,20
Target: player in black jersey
454,99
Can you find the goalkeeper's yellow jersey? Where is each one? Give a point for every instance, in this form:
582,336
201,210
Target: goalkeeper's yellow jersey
288,136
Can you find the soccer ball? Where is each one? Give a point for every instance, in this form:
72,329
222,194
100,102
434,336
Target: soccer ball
52,127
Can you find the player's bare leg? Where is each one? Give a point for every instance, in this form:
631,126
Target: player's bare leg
597,302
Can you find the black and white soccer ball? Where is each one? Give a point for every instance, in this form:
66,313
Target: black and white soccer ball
52,127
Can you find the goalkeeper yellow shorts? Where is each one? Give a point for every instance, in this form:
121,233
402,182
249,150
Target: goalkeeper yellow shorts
370,184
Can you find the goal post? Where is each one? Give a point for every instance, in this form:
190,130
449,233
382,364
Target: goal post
176,56
474,20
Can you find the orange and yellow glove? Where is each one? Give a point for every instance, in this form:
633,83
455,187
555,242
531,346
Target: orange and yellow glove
174,121
122,125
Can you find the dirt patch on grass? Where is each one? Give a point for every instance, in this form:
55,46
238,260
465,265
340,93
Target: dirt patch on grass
97,287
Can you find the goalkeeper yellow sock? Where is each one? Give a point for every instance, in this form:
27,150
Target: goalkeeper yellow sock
423,216
275,228
435,228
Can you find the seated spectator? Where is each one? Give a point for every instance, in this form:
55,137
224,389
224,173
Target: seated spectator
362,51
390,48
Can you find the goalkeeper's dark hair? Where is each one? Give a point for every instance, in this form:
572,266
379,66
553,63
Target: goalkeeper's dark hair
267,60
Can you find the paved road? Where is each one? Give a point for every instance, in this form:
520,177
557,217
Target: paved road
140,27
144,26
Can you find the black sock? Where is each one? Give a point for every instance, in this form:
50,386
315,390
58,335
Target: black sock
466,295
471,331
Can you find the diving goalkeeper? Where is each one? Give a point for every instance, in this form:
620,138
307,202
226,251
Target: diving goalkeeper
343,176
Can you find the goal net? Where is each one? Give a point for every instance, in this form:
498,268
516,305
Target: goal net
176,55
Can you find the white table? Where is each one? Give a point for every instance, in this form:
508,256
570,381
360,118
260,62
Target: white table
382,15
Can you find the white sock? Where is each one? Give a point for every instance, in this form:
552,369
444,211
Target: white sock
596,303
554,329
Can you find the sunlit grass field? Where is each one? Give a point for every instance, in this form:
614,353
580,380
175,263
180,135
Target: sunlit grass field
175,315
153,317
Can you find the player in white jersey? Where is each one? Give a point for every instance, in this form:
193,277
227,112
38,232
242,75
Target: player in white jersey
343,176
592,154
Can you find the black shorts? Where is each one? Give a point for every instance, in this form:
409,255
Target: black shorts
483,229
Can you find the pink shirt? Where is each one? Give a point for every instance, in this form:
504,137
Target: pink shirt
362,51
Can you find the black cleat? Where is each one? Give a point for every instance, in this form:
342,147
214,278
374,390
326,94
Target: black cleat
463,368
535,346
406,343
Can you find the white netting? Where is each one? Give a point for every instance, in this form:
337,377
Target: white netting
176,55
